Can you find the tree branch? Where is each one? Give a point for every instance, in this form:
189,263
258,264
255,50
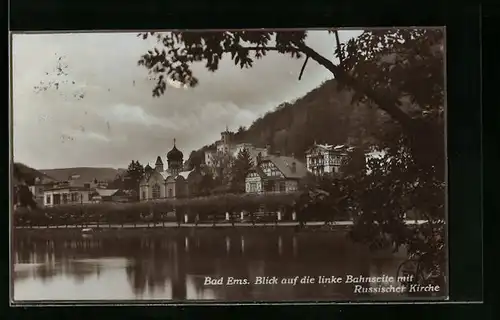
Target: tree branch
388,104
337,40
303,68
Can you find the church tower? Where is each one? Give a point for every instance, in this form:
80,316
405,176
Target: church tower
226,137
159,164
175,160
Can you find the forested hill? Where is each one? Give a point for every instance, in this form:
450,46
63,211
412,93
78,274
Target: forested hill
324,115
22,172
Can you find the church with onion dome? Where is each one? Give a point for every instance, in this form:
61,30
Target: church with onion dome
168,183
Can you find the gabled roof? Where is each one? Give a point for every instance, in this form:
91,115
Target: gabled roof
285,165
329,147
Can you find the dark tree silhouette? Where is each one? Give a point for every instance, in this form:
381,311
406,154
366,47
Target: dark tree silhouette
133,176
242,164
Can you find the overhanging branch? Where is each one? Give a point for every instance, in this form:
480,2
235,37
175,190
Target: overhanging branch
303,68
387,103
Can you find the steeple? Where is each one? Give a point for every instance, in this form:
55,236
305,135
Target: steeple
174,160
159,164
226,136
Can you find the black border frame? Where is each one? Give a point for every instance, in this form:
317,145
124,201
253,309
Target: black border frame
463,27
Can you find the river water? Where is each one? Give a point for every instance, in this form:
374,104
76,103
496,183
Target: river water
174,265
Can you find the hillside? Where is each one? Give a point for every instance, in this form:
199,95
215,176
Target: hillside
26,173
324,115
85,174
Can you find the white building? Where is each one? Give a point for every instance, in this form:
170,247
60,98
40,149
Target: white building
325,158
226,147
66,194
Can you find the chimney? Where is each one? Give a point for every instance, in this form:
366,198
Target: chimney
294,167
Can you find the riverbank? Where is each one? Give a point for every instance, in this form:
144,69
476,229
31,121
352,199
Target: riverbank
221,224
163,229
94,229
166,232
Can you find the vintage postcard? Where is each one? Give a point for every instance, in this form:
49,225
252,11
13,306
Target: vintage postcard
229,166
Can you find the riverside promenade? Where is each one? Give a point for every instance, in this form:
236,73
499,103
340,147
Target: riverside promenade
202,225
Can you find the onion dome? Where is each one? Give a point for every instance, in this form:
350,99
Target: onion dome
175,154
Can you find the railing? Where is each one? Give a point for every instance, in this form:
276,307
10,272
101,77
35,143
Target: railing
169,219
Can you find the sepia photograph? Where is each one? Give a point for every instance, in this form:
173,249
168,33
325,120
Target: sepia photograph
229,166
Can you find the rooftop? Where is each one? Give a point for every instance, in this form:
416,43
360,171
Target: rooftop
285,165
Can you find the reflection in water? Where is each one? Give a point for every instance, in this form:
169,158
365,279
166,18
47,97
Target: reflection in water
280,245
294,246
228,244
173,266
242,244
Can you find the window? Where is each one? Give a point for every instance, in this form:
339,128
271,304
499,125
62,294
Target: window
86,185
47,199
89,196
282,186
253,187
156,191
170,193
144,195
65,198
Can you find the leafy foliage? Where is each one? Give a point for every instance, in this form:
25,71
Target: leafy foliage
242,165
180,49
400,62
222,163
379,195
406,65
135,173
23,197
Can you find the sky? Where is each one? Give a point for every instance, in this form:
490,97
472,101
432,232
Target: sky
103,113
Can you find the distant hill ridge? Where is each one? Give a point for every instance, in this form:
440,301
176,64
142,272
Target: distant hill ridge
84,174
